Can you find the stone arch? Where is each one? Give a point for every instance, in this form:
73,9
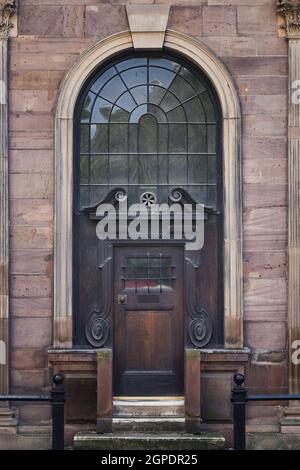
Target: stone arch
202,57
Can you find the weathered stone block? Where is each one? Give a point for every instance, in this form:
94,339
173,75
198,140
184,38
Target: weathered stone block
30,286
36,80
31,140
276,375
41,20
31,333
266,292
32,186
37,212
271,45
31,101
265,147
268,126
219,21
261,85
73,21
257,65
34,307
28,237
103,20
186,19
28,359
265,264
31,262
265,171
267,336
21,121
265,228
265,195
230,46
31,161
255,19
275,105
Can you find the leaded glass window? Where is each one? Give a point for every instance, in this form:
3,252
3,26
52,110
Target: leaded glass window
148,123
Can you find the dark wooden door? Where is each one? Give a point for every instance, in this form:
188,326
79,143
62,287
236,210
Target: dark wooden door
148,320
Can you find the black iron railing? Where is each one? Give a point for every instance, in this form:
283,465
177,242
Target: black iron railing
57,398
239,398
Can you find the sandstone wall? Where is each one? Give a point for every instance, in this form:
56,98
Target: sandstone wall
52,33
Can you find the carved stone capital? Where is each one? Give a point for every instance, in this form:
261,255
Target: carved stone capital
289,10
8,8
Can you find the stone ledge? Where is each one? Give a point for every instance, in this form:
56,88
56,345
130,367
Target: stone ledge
144,441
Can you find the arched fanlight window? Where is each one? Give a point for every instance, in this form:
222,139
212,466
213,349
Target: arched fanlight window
148,123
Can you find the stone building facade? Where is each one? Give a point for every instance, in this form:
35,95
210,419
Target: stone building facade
252,48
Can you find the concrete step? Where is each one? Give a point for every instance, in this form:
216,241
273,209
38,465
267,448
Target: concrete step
138,407
148,441
152,424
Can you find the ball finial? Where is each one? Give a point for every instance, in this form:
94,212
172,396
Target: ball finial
58,379
239,379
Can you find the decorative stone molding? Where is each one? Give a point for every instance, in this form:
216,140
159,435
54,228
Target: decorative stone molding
89,61
289,10
147,24
8,9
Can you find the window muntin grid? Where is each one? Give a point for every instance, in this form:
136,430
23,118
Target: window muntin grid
148,124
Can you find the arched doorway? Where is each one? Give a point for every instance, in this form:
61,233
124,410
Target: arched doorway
150,125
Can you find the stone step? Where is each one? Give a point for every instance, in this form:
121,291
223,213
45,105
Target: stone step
153,424
150,408
148,441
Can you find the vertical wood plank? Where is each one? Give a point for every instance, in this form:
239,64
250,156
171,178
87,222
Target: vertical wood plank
104,391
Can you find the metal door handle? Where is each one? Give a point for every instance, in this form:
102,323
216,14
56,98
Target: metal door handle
122,299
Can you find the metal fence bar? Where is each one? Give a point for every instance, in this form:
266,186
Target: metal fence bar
57,398
239,398
58,418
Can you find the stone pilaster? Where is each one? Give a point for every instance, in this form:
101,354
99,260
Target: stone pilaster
289,13
8,9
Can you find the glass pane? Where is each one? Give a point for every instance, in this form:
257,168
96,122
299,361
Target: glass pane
197,168
147,169
197,138
84,138
119,115
211,169
182,89
193,81
177,138
198,193
126,102
99,169
147,134
163,138
162,77
211,138
128,63
118,138
113,89
139,94
84,168
208,106
211,196
156,94
87,107
194,110
84,199
178,169
97,193
134,77
99,138
166,63
169,101
101,111
177,115
157,112
102,80
118,169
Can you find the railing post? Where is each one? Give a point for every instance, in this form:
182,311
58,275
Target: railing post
58,418
239,400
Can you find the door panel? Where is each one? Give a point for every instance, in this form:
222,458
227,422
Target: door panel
148,320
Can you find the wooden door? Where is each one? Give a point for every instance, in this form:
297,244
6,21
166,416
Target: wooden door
148,320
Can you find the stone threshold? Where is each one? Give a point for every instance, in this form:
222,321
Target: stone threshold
148,441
